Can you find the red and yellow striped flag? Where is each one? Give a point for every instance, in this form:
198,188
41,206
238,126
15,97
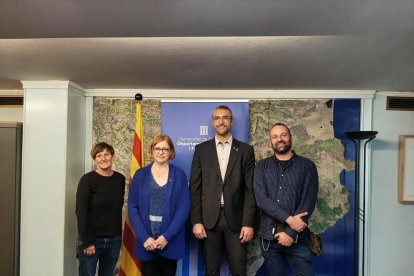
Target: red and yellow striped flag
129,265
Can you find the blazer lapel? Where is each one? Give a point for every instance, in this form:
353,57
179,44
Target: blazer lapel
214,157
234,154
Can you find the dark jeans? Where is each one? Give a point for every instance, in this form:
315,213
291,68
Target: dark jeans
217,238
159,266
107,253
298,255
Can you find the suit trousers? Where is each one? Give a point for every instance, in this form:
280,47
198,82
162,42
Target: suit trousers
159,266
213,248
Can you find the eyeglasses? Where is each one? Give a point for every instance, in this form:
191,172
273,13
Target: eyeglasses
162,150
224,118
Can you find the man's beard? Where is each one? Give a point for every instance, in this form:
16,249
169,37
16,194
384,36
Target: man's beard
285,149
223,132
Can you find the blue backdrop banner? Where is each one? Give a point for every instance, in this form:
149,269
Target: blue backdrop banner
188,124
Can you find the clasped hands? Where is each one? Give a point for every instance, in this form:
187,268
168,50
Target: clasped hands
246,233
297,224
152,244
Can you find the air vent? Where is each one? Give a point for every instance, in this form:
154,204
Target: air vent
11,101
400,103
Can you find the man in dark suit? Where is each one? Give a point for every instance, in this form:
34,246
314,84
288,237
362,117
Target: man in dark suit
223,207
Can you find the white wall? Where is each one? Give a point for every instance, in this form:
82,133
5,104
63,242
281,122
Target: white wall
75,164
53,161
44,159
392,224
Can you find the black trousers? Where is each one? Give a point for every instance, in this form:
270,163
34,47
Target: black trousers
222,237
159,266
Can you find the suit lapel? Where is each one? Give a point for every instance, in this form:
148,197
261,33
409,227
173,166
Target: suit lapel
234,154
214,157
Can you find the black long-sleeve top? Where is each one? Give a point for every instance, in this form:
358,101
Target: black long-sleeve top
284,189
99,201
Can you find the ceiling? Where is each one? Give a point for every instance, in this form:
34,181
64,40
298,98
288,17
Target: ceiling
209,44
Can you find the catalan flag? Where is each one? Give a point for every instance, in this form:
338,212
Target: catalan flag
129,265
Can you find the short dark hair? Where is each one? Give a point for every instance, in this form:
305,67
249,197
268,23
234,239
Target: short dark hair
282,124
158,139
100,147
225,107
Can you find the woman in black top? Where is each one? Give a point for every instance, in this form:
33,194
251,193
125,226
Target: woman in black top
99,202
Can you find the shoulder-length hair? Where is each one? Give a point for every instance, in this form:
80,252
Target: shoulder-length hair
160,138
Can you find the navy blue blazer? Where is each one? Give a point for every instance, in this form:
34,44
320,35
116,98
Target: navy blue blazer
176,211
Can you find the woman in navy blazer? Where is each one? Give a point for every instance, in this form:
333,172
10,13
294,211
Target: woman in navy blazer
158,208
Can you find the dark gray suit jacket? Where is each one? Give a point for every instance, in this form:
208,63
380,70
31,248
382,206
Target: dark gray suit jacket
206,186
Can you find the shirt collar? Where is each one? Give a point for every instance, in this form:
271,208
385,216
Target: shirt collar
229,141
292,158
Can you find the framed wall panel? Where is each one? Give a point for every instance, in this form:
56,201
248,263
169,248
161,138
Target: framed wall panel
406,170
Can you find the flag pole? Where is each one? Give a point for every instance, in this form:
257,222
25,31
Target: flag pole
129,265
